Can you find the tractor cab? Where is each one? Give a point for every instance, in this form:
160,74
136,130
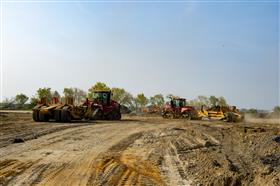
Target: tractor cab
104,106
177,102
102,97
178,108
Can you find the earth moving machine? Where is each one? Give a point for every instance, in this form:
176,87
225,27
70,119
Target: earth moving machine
177,108
61,112
224,113
104,107
101,107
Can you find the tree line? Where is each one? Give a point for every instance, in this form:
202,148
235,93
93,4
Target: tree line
120,95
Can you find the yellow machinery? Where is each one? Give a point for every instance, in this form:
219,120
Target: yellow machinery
224,113
101,107
64,112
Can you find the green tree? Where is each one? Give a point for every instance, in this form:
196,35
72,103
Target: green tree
122,96
168,96
213,100
44,93
157,100
68,92
118,94
76,93
203,100
98,86
222,101
141,100
21,99
193,102
8,103
252,111
34,101
276,109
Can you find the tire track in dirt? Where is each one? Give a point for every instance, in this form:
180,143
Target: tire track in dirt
38,143
76,169
166,149
21,126
175,154
115,167
149,152
10,169
79,168
43,168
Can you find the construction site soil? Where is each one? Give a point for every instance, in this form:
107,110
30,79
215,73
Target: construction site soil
138,150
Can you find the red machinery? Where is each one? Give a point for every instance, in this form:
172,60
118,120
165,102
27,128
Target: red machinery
104,107
177,108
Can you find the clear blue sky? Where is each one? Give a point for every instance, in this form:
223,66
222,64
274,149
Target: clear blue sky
188,49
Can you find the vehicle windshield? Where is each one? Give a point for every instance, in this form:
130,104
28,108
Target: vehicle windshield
179,102
100,96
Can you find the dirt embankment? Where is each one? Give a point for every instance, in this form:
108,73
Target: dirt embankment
139,151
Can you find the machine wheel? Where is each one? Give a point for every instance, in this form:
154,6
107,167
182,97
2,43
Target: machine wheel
230,117
35,115
57,115
118,116
114,115
43,117
168,115
97,114
65,116
187,115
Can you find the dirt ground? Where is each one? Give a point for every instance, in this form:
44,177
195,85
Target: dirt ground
138,151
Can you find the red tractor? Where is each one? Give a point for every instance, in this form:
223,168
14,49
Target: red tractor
104,107
177,108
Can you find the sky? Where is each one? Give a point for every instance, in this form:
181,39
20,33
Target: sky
189,48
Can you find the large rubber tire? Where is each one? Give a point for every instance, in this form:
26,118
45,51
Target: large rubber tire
97,114
231,117
43,117
57,115
168,115
187,115
65,116
35,115
118,116
114,115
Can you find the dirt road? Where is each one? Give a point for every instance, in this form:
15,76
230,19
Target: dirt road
137,151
